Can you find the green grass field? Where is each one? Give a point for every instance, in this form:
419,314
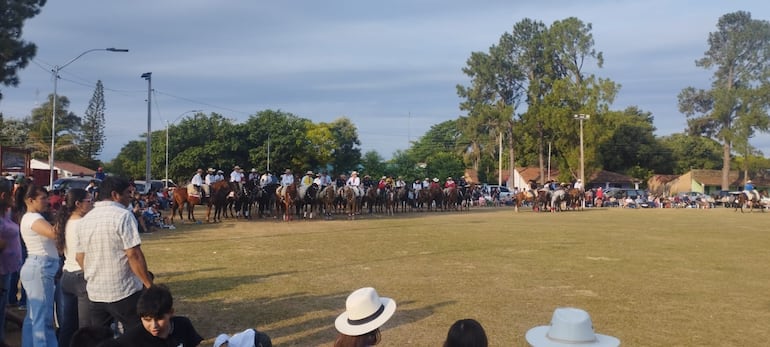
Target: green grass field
669,277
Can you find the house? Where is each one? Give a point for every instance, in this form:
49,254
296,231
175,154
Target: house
659,184
710,182
63,168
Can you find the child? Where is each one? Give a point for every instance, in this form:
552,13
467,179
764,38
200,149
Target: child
159,325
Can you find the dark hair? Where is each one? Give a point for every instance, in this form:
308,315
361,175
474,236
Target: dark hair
466,333
74,195
369,339
90,336
24,192
6,186
155,302
112,184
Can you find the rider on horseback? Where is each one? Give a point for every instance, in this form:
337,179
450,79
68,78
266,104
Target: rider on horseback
752,193
197,182
287,179
355,183
305,183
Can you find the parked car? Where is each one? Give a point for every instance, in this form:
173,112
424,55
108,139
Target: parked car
622,193
506,195
156,185
67,183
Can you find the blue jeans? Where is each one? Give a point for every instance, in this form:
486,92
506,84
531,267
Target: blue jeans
73,305
38,275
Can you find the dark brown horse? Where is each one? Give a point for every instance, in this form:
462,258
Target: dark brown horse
575,199
218,200
451,199
181,197
750,202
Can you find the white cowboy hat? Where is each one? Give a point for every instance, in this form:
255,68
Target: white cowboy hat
449,178
435,179
211,169
220,171
237,167
253,170
749,181
569,327
309,173
287,171
354,173
365,311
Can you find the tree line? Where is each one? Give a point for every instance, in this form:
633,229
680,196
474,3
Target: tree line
522,92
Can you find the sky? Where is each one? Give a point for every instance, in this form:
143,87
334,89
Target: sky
391,67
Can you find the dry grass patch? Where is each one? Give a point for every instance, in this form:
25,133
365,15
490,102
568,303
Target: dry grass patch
649,277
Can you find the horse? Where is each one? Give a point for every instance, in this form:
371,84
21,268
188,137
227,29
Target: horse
180,198
238,201
287,200
557,197
543,199
218,200
751,202
575,198
390,201
435,195
404,197
352,202
525,196
265,199
451,198
326,197
372,200
307,200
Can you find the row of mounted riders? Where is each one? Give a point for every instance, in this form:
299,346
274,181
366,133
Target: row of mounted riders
240,199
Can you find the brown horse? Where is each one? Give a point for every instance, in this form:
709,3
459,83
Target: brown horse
750,202
575,199
451,199
390,201
218,200
522,197
181,197
287,199
351,202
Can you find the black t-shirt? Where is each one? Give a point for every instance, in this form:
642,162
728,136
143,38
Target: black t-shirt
182,334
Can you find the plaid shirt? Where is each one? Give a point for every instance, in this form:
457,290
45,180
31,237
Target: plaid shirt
106,233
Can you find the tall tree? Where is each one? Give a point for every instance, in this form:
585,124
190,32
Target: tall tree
347,155
736,105
92,138
15,53
66,134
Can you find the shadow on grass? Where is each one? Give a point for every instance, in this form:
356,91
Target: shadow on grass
295,319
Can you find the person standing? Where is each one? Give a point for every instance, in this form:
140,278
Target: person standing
99,175
73,297
39,270
10,251
111,255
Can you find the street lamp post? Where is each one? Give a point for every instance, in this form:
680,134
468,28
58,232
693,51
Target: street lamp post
55,71
148,77
165,184
581,117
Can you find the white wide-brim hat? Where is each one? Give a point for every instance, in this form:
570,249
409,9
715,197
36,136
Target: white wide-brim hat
365,311
569,327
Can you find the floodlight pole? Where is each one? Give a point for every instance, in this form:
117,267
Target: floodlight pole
148,77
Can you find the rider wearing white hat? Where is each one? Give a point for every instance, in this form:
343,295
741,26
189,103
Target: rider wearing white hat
355,183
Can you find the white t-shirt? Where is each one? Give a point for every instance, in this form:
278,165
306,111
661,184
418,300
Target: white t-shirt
36,244
236,176
72,242
196,180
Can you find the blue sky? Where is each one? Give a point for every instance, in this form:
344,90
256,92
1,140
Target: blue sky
389,66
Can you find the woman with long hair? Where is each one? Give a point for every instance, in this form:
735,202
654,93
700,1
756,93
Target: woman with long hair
39,270
10,250
366,312
73,297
